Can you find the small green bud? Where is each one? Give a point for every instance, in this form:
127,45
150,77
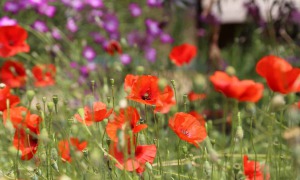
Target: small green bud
30,95
54,165
239,133
55,99
162,83
236,168
44,99
173,83
140,70
38,106
54,154
112,82
149,166
230,70
108,99
50,106
44,136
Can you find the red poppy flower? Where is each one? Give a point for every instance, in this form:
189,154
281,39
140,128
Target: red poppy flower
12,41
192,96
112,47
129,81
280,75
126,120
165,101
97,114
5,95
145,90
252,170
21,119
232,87
44,75
188,128
143,154
183,54
198,116
64,148
13,74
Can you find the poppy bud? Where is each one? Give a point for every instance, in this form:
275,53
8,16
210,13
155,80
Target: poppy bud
30,94
200,81
44,99
93,85
105,89
13,151
2,85
162,83
184,149
27,130
54,154
95,157
140,70
230,70
38,106
236,168
112,82
74,129
173,83
239,133
277,101
142,139
50,106
55,99
54,165
9,126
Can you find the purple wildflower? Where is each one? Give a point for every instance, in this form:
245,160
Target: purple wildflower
125,59
71,25
154,3
153,28
6,21
74,64
150,54
40,26
295,16
56,34
166,38
110,23
89,53
135,9
47,10
95,3
11,6
97,37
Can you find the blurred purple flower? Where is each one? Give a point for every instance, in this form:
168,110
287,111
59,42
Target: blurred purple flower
295,16
56,34
135,9
114,36
110,23
11,6
71,25
97,37
91,66
154,3
75,4
152,27
142,40
89,53
40,26
95,3
201,32
166,38
209,19
6,21
84,70
125,59
94,15
74,64
47,10
35,2
253,11
150,54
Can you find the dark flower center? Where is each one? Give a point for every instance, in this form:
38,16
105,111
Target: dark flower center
146,96
185,132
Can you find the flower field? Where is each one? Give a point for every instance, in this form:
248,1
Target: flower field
151,89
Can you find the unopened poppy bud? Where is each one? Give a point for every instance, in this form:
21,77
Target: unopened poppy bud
200,81
38,172
207,168
74,129
277,101
44,99
121,139
27,130
162,83
184,149
38,106
185,98
55,99
54,154
108,99
250,108
173,83
12,150
236,168
105,89
50,106
230,70
95,157
54,165
239,133
93,84
30,94
2,85
112,82
85,152
10,127
140,70
148,166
